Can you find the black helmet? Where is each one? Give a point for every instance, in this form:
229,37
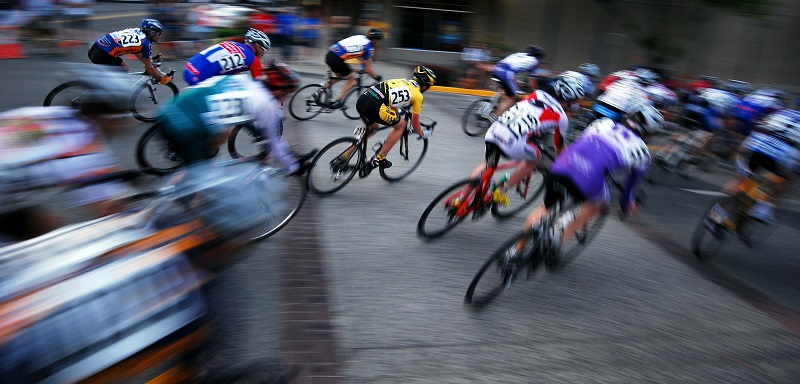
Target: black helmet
375,34
424,75
536,51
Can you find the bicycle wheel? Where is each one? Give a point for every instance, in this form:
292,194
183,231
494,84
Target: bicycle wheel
500,271
583,236
282,199
411,152
522,195
302,106
243,141
328,172
443,213
349,103
154,153
472,123
67,94
709,237
147,100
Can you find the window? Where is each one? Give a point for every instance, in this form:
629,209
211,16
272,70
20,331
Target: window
439,26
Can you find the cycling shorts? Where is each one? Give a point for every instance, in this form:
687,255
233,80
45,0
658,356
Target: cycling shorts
98,56
373,110
558,188
337,64
508,79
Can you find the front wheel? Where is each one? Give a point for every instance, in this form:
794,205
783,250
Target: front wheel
411,152
502,268
282,199
155,154
147,99
476,121
67,94
245,141
521,196
710,235
332,168
349,104
448,209
304,105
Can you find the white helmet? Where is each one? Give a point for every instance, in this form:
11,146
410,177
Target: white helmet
646,118
647,77
589,69
257,37
784,124
568,88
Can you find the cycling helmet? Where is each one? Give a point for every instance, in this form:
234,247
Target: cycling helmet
646,118
536,51
784,125
646,76
589,69
375,34
255,36
152,25
738,86
568,88
424,75
281,79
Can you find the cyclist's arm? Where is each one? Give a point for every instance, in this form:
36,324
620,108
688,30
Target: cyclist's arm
149,67
627,198
367,64
416,125
255,68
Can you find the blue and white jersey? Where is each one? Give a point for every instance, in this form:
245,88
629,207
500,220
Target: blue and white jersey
518,63
126,41
225,58
357,46
778,138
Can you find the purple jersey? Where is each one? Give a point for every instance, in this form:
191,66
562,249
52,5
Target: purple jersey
126,41
225,58
604,147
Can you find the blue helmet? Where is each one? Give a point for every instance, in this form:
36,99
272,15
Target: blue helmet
152,25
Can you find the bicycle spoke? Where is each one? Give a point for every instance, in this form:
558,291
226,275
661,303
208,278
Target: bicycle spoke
330,171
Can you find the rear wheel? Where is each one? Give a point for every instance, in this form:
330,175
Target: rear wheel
67,94
448,209
303,106
147,100
330,171
411,152
244,141
522,195
502,268
349,104
282,199
155,154
472,123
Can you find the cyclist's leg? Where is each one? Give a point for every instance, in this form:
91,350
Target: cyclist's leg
386,115
492,154
530,155
509,82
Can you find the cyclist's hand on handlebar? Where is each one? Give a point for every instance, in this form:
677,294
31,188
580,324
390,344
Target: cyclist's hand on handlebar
378,78
165,79
426,133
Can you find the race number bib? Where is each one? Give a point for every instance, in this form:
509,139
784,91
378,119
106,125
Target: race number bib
230,62
400,96
128,38
228,108
519,120
353,48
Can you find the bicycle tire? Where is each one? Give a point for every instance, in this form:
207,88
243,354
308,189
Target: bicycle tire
67,94
582,237
246,144
278,212
705,244
482,290
303,107
349,103
323,177
432,227
402,167
150,162
471,123
146,108
522,195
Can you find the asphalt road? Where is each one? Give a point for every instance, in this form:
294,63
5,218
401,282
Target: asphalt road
636,306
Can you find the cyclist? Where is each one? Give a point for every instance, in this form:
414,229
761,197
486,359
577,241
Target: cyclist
513,134
109,48
506,71
46,147
606,146
381,104
773,146
755,106
199,119
228,58
592,71
354,47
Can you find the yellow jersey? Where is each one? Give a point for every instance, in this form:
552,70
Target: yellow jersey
401,93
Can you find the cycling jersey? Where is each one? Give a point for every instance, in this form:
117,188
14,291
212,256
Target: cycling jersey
538,113
753,107
378,103
226,58
357,46
126,41
507,69
604,147
710,107
203,112
661,96
780,147
619,99
50,146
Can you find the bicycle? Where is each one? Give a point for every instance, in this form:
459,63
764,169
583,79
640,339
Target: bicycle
332,169
729,217
677,155
478,116
474,197
147,94
527,250
313,99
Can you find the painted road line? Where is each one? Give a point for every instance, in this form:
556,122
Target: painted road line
705,192
462,91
